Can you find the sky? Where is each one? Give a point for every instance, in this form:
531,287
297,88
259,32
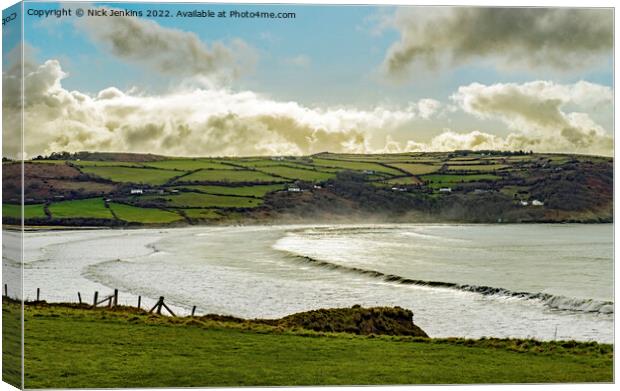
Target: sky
356,79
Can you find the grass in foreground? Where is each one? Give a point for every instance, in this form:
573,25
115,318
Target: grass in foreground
68,347
11,345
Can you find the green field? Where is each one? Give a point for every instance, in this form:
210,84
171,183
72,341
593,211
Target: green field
251,191
477,167
201,200
30,211
416,168
88,208
259,162
382,158
229,176
189,164
82,348
356,166
147,176
298,173
468,158
134,214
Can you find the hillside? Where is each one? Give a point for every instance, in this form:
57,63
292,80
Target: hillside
77,346
107,189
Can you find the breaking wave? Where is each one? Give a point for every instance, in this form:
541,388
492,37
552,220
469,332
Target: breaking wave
552,301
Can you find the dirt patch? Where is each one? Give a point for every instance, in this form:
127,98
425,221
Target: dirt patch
356,320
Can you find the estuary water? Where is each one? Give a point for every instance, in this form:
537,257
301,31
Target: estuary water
540,281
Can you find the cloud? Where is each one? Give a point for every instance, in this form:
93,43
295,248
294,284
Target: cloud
558,38
194,121
537,110
11,101
199,121
168,50
428,107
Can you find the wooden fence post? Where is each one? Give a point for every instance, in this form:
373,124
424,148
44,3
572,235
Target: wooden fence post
160,303
166,307
6,291
139,300
193,310
38,293
157,305
115,297
79,298
95,299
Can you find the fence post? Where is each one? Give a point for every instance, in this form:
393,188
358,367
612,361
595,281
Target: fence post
166,307
160,303
6,291
157,305
95,300
79,298
193,310
38,293
115,297
139,300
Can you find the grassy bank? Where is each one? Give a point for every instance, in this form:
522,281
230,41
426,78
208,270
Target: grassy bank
80,347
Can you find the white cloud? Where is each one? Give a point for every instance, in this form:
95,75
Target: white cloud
199,121
428,107
537,111
190,121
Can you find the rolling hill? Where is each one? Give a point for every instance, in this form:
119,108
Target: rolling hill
108,189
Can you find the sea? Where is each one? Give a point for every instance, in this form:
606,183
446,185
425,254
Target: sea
543,281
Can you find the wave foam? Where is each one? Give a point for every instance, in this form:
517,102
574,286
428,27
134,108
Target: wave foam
552,301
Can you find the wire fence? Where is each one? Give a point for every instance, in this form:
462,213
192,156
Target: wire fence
109,301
